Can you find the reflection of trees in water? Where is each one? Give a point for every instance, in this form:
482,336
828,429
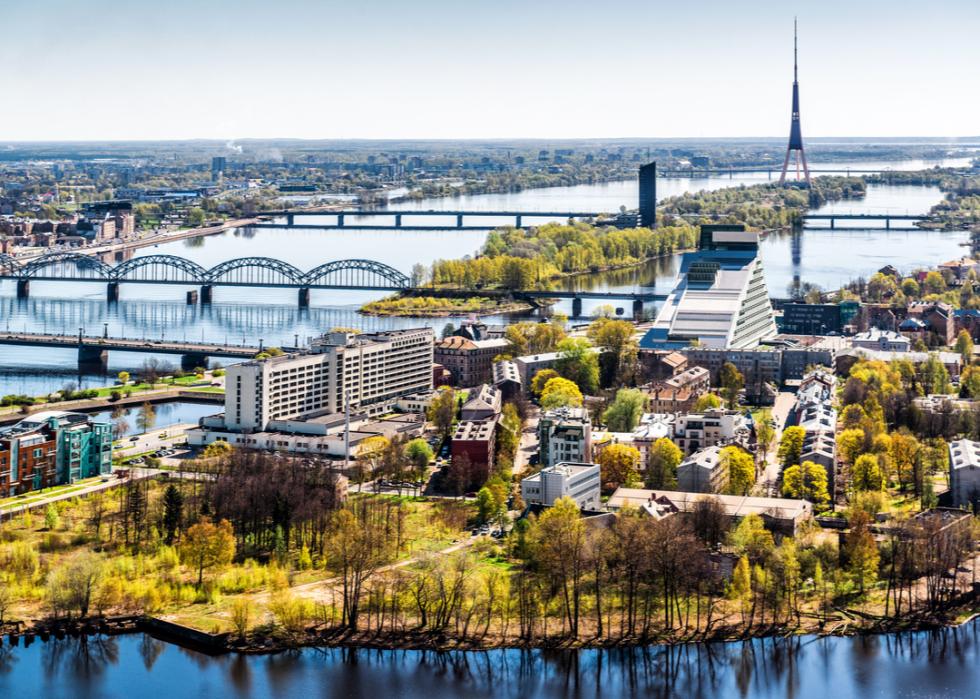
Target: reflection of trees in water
645,275
240,673
7,659
150,649
81,658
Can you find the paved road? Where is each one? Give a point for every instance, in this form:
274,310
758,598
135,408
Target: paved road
529,443
780,413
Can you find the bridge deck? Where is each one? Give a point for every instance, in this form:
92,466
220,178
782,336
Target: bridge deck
126,345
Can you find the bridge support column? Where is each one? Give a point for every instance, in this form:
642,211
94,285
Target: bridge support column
576,307
340,220
459,220
888,224
23,288
206,293
112,292
192,297
832,222
637,309
304,297
398,220
194,361
92,357
517,221
290,219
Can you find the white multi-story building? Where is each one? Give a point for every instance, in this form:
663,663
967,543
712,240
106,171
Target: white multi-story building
580,482
882,340
717,426
367,371
720,299
964,472
565,435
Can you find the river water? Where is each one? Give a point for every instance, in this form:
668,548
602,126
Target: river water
240,315
913,665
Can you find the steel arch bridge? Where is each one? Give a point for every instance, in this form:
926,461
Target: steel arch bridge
171,269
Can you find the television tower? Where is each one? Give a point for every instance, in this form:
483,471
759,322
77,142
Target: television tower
795,134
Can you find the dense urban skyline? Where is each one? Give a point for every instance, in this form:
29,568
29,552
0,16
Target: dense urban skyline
112,70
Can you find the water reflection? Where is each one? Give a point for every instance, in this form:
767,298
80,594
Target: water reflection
941,663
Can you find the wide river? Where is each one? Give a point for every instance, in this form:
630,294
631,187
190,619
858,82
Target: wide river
943,664
239,315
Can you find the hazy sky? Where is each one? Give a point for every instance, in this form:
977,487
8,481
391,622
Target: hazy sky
121,69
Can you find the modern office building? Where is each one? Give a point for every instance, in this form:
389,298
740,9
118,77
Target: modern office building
720,299
648,195
53,448
565,434
368,372
218,166
578,481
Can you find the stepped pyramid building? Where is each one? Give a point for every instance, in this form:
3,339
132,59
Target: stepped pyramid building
720,299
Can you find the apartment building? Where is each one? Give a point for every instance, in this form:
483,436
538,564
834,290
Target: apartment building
53,448
369,372
469,361
565,435
679,393
717,426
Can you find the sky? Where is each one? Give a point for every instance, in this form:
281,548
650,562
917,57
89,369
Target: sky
180,69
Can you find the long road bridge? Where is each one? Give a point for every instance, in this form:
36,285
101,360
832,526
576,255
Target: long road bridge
258,272
93,350
456,219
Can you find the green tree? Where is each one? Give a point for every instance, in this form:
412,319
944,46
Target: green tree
560,551
123,377
964,346
866,473
662,461
173,513
442,411
540,380
485,505
732,382
791,446
970,382
419,454
52,520
742,585
624,413
708,401
751,538
579,363
807,481
935,377
861,551
741,470
560,392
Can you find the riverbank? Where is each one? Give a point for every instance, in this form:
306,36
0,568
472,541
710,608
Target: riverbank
442,307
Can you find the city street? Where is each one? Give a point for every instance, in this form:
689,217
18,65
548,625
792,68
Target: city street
780,413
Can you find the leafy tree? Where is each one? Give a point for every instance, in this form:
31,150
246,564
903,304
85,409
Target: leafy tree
618,465
732,382
173,513
708,401
625,411
442,411
579,363
964,346
741,470
206,545
751,538
742,585
123,377
146,417
851,444
560,392
357,548
419,453
52,520
617,340
935,377
662,461
970,382
485,505
540,380
866,473
72,585
807,481
559,545
791,446
861,551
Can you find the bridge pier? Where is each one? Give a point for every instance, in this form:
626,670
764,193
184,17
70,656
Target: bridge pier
112,292
23,288
340,220
206,293
193,361
92,357
832,222
192,297
290,218
517,221
888,224
398,220
459,220
576,307
304,297
637,309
